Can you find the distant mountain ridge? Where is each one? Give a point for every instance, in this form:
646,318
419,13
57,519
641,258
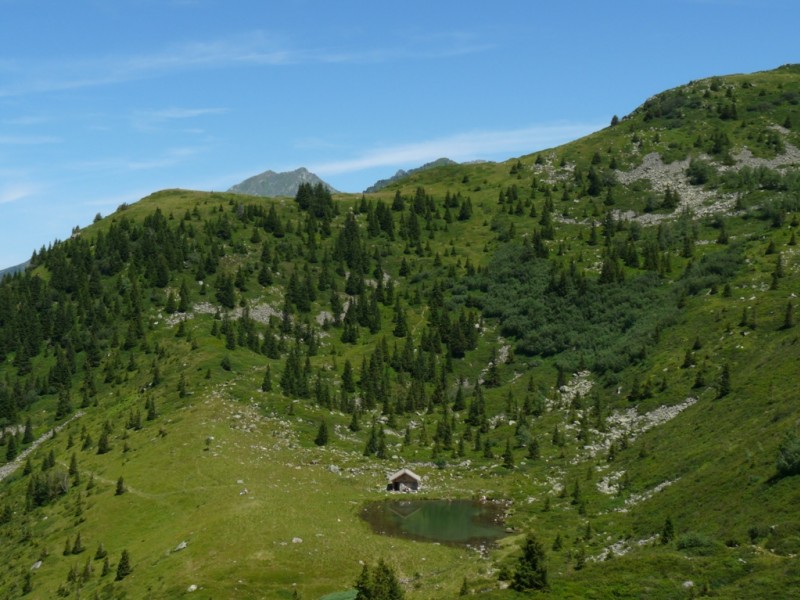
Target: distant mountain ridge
14,269
272,184
382,183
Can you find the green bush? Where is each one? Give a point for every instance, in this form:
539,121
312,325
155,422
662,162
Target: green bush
696,543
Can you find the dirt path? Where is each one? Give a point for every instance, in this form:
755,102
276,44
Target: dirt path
9,468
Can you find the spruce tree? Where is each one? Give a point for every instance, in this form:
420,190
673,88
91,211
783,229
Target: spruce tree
124,567
788,319
73,468
533,449
508,456
372,442
379,583
64,406
78,546
120,487
11,448
103,445
354,424
101,552
348,382
151,409
322,435
668,531
27,437
531,573
724,382
266,383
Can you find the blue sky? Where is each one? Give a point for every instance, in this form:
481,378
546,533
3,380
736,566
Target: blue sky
106,101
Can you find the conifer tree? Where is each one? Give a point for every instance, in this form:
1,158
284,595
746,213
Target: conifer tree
103,445
124,567
184,298
508,456
788,319
533,449
171,305
78,546
101,552
487,449
348,383
724,382
531,573
11,448
151,409
266,384
64,406
382,451
27,437
354,423
379,583
322,434
372,441
73,468
120,487
668,531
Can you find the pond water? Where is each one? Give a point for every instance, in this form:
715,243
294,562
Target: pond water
453,522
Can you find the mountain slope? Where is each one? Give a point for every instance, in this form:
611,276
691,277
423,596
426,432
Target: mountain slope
271,184
601,335
12,270
382,183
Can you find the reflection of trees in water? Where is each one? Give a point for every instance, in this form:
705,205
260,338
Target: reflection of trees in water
456,522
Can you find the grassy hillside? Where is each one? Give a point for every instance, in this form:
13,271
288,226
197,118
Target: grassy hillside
602,334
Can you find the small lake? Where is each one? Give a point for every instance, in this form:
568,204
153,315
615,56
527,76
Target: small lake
452,522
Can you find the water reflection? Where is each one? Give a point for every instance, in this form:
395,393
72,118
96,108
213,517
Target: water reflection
454,522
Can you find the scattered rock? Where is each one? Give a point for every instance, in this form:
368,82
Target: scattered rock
192,588
297,540
181,546
36,565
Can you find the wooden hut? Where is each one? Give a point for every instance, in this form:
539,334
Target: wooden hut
405,480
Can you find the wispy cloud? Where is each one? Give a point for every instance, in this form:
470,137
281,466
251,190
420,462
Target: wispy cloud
461,147
28,140
150,120
168,158
253,49
25,77
18,191
25,121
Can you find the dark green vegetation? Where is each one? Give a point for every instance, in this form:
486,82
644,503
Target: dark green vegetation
603,334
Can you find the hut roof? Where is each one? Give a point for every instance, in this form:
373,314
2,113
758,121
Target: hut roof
408,472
